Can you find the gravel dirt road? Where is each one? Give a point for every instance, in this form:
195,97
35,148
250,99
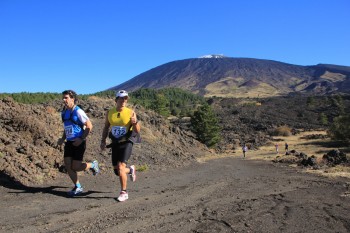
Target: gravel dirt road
222,195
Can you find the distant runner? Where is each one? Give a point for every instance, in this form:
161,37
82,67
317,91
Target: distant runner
286,146
276,146
77,127
244,149
121,124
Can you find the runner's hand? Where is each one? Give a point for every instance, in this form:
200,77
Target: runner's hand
133,118
103,145
60,141
77,141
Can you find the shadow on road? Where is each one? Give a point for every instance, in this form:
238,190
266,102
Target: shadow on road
330,144
7,182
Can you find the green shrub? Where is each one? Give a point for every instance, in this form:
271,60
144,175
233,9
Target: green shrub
142,168
323,119
340,129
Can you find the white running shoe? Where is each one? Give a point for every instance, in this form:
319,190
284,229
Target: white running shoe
123,196
96,168
75,191
133,173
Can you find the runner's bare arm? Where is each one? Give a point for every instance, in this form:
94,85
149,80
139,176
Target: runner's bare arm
88,128
135,123
105,133
61,140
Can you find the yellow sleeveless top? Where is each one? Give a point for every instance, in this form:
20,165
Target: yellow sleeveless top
120,121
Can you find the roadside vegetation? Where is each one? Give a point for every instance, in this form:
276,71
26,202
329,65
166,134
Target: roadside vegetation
179,103
37,97
166,102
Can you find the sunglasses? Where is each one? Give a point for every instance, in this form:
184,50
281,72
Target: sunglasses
125,98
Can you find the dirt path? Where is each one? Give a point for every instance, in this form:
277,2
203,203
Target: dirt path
222,195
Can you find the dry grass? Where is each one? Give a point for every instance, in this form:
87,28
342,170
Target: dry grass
295,142
230,87
333,172
316,147
334,77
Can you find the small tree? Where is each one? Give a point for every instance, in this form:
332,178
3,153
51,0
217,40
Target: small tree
323,119
338,102
205,125
310,101
340,129
161,105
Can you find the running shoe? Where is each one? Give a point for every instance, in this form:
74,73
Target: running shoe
133,173
123,196
96,169
75,191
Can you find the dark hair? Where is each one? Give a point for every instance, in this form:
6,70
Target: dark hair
72,94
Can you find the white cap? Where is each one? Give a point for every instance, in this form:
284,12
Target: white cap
121,93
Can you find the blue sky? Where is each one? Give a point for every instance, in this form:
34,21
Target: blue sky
90,46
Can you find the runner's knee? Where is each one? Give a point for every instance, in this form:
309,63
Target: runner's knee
78,166
116,171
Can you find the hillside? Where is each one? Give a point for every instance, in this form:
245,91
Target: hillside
243,77
28,136
29,132
252,121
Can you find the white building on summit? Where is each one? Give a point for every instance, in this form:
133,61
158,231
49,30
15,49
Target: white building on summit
213,56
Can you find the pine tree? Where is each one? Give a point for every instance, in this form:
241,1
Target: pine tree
323,119
205,125
161,105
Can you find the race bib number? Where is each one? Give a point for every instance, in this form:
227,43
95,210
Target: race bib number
69,131
118,131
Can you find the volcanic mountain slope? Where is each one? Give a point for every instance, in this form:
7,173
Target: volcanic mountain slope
243,77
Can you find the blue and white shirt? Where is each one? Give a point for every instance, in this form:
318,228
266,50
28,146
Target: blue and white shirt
74,121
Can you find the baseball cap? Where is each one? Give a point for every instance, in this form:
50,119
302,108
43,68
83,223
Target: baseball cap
121,93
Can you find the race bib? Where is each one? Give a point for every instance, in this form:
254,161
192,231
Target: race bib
118,131
69,131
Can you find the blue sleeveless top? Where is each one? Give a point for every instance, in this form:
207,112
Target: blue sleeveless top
73,127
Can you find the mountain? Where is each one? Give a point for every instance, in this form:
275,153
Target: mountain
217,75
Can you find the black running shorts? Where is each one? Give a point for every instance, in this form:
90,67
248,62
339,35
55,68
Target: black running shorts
121,152
76,152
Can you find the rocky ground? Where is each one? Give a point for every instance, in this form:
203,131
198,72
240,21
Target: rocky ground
176,193
223,195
